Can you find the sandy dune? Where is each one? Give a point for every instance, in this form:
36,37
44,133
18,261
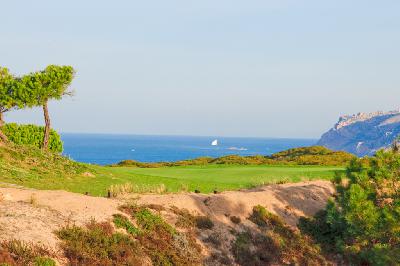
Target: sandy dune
32,215
290,201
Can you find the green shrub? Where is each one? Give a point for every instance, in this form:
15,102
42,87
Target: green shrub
313,155
277,244
98,244
184,218
254,249
264,218
133,163
43,261
232,159
215,238
152,222
121,221
363,221
162,242
196,161
322,232
32,135
204,222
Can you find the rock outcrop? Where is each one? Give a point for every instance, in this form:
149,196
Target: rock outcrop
364,133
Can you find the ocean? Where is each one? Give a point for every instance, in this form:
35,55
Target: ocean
104,149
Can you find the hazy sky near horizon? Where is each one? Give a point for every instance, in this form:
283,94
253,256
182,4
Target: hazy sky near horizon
218,68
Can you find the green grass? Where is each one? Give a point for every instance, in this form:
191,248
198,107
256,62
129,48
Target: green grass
225,177
30,167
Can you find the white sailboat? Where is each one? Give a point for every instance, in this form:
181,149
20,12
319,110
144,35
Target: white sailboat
214,143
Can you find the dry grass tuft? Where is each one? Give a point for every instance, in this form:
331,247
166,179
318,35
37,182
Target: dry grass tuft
121,189
129,188
33,200
184,188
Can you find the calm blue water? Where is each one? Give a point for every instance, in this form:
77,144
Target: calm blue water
108,149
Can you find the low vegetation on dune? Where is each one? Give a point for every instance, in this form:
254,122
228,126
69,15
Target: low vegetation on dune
18,253
275,243
99,244
139,235
145,239
314,155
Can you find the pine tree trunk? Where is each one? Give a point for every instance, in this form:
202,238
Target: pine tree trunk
3,137
47,127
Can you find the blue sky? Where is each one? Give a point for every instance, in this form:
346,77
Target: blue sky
226,67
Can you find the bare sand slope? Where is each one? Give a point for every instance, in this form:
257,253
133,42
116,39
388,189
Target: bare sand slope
32,215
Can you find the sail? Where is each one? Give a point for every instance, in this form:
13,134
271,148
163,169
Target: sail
214,143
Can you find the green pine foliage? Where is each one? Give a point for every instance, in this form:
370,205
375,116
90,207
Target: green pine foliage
363,222
13,94
50,83
32,135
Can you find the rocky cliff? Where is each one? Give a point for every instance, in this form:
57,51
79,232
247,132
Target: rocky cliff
363,133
